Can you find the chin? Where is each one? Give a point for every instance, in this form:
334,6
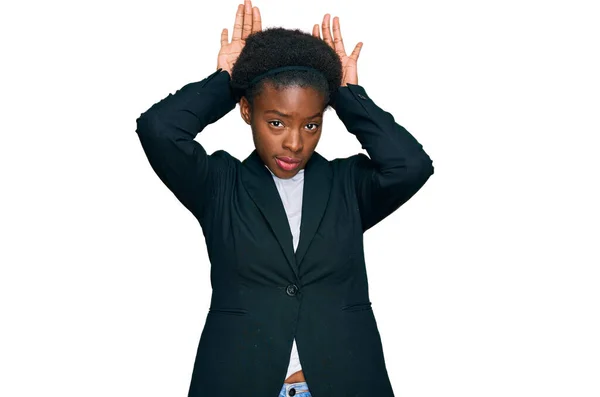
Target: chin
287,174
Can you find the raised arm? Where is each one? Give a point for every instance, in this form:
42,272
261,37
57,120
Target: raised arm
397,166
167,130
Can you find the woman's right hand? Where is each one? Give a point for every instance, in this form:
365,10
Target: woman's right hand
247,21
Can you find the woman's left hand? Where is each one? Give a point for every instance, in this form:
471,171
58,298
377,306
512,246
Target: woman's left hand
350,74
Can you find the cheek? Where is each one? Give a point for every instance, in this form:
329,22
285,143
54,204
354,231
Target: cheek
265,139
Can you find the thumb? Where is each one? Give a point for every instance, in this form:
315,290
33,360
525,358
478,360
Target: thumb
356,51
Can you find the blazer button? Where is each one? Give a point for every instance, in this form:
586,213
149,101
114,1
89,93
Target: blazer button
291,289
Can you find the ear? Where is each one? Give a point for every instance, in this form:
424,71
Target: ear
245,110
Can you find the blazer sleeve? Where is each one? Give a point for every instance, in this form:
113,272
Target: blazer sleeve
397,166
167,131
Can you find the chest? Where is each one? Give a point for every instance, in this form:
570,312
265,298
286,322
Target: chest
282,237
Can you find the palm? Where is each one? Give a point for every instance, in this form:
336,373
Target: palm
229,54
247,21
349,69
335,41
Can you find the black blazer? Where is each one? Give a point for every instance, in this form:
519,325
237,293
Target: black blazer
264,294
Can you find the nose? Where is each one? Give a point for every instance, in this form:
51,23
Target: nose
293,141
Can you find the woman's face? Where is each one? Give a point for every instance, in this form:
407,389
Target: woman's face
286,126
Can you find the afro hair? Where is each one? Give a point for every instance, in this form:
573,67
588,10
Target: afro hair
277,47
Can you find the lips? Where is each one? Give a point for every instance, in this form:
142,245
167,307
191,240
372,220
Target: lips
287,163
289,159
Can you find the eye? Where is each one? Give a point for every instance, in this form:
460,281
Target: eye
315,126
279,123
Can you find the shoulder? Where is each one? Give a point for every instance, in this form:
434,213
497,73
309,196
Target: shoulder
222,165
349,170
359,160
225,158
342,161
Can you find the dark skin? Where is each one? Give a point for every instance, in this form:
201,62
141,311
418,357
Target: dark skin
285,122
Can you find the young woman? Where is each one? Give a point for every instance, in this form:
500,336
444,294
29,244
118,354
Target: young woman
290,308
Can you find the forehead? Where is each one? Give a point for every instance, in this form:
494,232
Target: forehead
293,100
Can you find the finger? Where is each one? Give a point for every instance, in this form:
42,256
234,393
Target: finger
224,37
256,20
326,32
239,21
338,42
356,51
247,26
315,31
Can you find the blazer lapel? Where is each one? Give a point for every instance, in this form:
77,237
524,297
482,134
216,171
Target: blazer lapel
260,186
317,187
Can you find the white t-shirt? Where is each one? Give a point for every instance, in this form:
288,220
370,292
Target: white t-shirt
290,191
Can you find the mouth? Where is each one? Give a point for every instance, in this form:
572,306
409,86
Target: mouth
287,163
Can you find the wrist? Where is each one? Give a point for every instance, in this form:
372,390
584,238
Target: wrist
224,68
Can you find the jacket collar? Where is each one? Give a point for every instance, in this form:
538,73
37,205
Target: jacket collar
259,183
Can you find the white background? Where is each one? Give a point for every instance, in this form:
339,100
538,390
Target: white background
486,283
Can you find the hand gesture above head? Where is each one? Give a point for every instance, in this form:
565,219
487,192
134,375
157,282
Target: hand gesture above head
247,21
349,62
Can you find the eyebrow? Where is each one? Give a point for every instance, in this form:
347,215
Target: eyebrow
287,115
